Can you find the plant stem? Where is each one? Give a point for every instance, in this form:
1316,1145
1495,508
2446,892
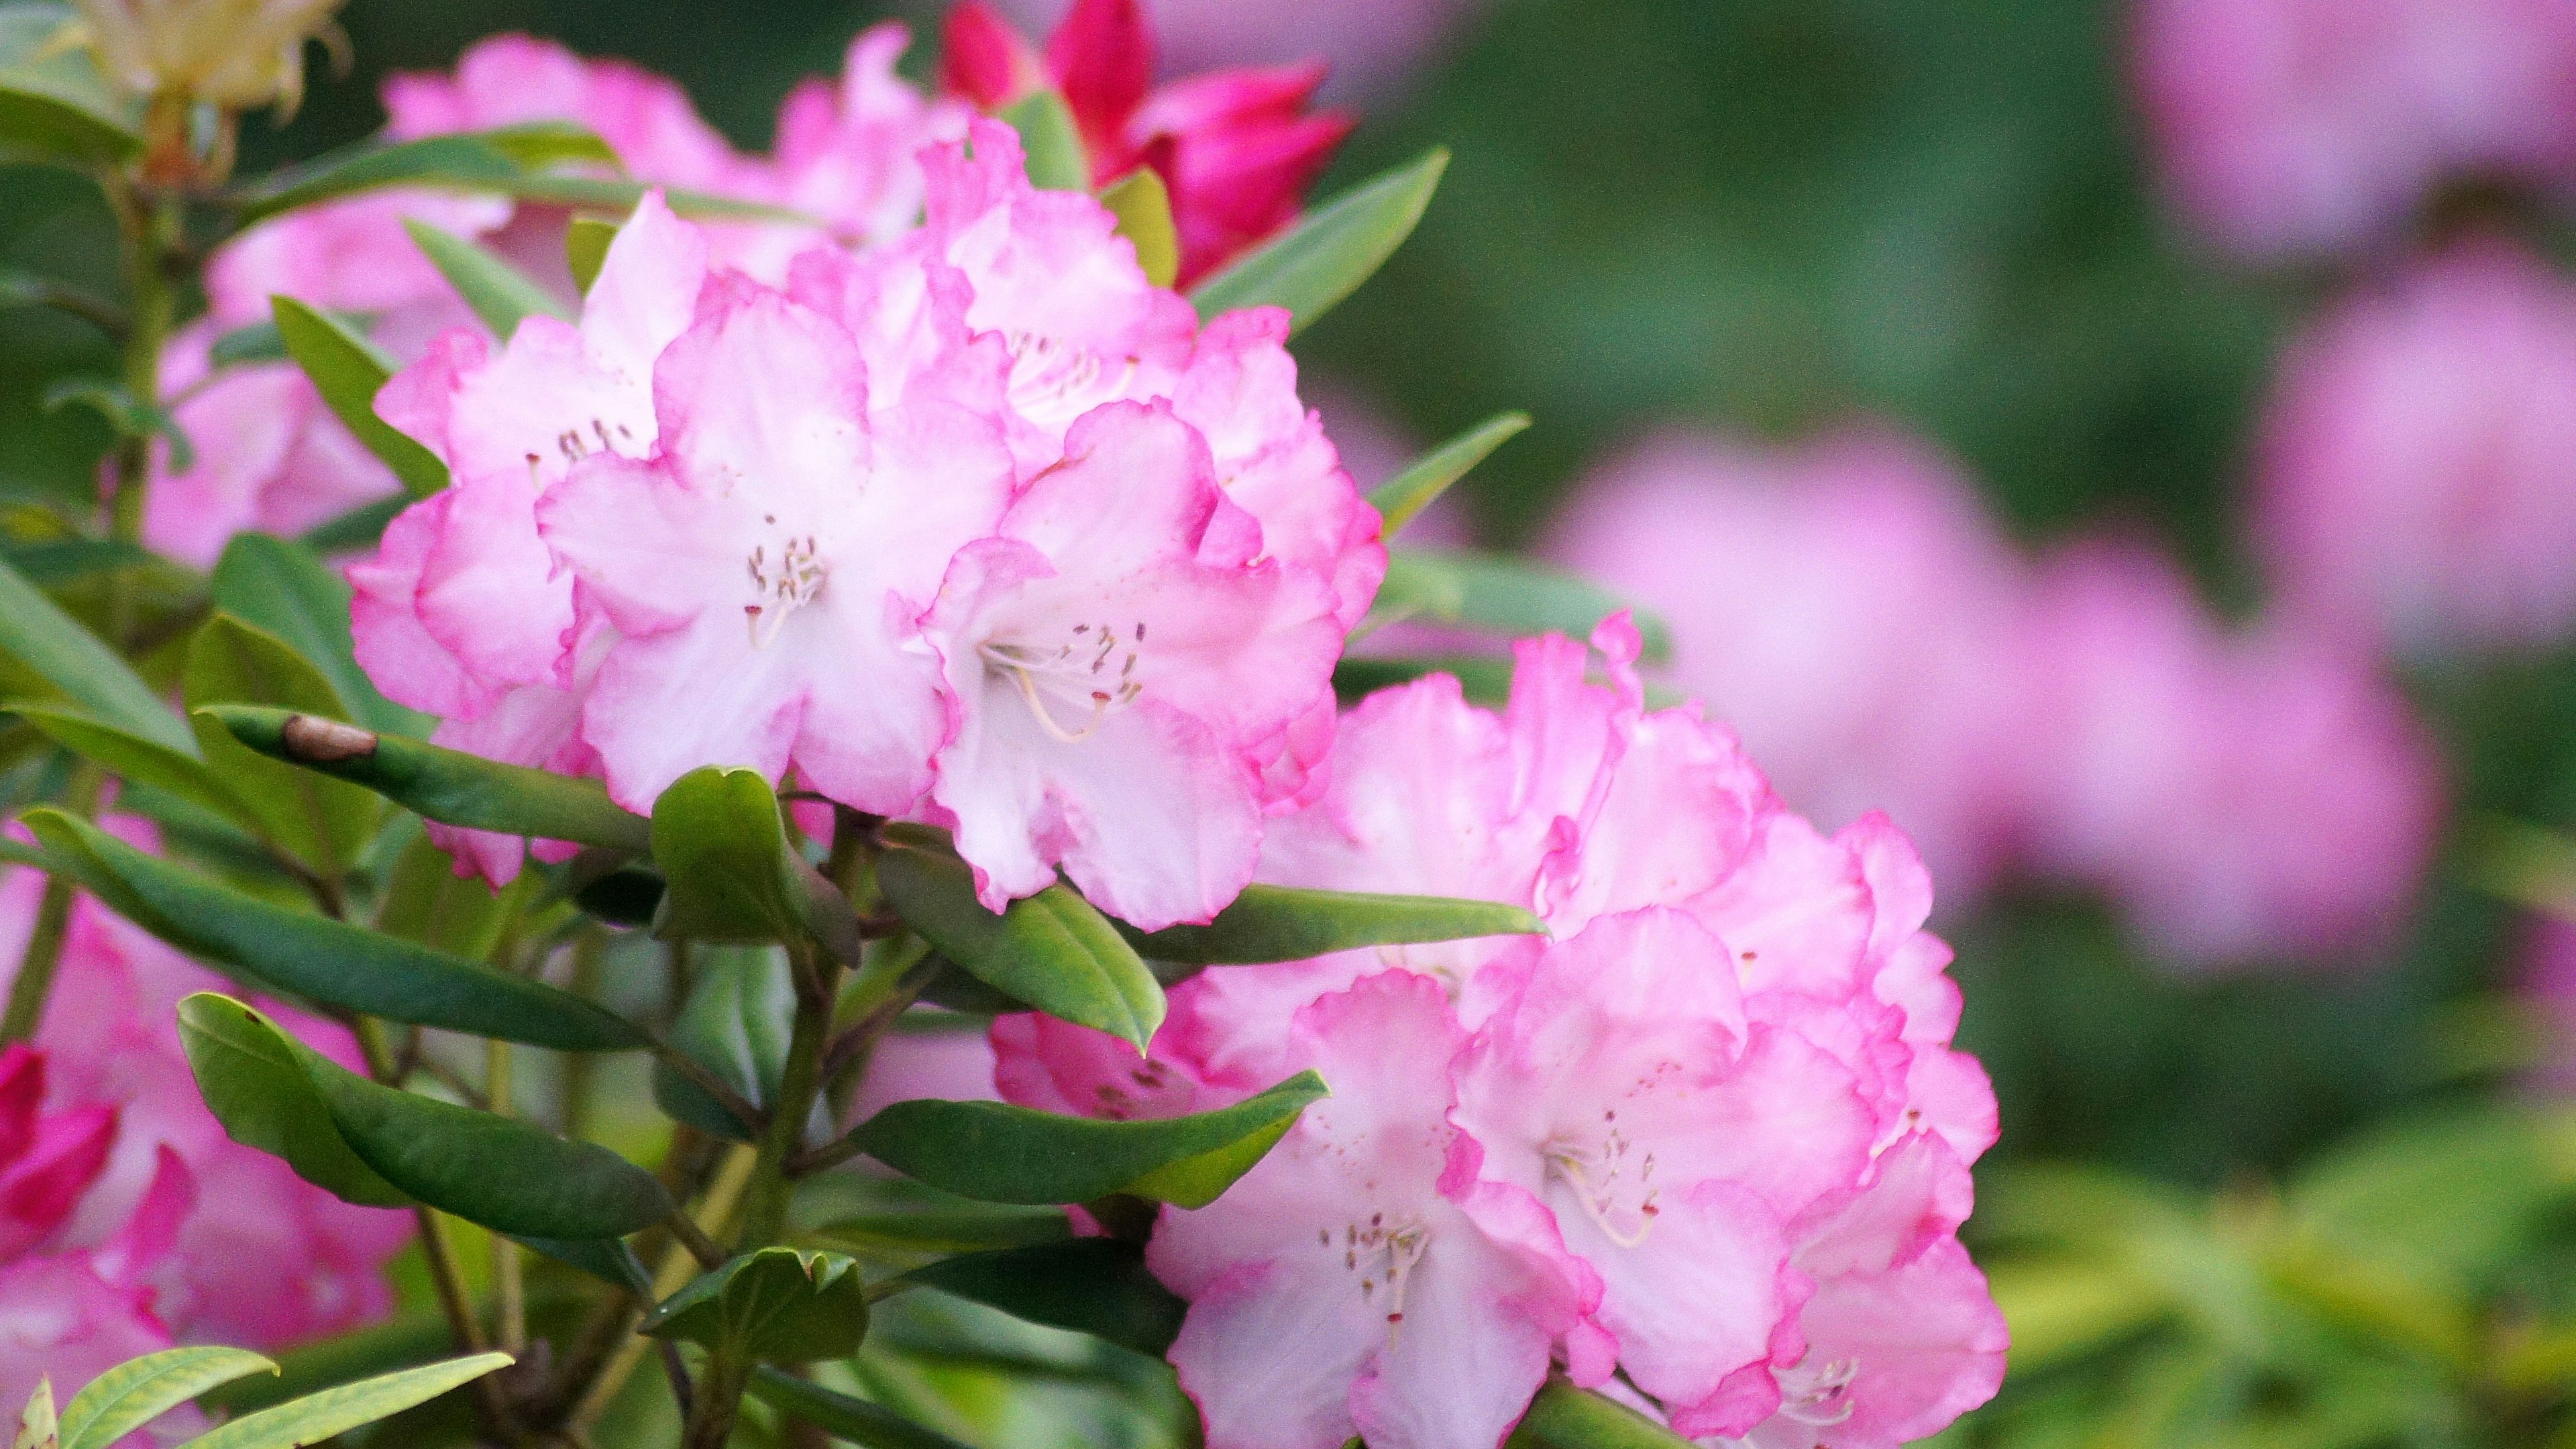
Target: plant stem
678,1266
44,955
509,1294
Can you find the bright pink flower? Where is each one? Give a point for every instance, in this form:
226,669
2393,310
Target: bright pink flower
2302,125
1237,148
1125,670
507,80
1840,605
2418,465
1337,1289
2243,796
61,1319
765,569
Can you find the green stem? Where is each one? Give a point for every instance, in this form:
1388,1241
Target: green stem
44,954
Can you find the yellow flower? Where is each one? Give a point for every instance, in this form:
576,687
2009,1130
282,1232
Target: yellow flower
234,54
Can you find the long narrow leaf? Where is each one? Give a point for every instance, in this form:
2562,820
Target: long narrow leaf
1324,258
134,1393
499,293
1281,923
316,1417
349,372
80,666
1401,499
851,1420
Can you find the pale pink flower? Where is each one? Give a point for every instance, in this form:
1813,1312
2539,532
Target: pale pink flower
2247,795
1840,605
1337,1289
2417,473
1125,670
2306,125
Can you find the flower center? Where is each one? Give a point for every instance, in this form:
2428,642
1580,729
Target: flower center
1050,374
578,443
1819,1394
1089,672
1382,1256
781,583
1612,1183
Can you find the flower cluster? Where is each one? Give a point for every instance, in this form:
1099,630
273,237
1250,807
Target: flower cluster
1709,1134
978,526
1851,609
128,1220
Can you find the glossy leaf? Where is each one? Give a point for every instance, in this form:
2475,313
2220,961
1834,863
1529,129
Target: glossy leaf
445,785
739,1016
279,949
1052,950
1143,207
494,160
783,1305
1504,596
349,371
54,103
586,243
499,293
317,1417
253,1079
286,589
78,666
851,1420
321,821
1565,1417
722,847
1326,256
137,1391
1098,1286
1283,923
1051,141
1401,499
996,1153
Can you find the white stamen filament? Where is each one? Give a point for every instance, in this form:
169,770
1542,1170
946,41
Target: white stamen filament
1378,1248
1820,1397
782,588
1079,670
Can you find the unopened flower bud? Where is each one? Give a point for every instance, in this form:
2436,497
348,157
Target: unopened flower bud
236,54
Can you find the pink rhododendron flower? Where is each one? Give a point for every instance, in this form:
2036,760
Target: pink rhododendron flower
2417,478
2300,125
2253,795
1840,604
1236,148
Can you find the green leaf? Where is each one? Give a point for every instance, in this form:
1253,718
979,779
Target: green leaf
1565,1417
1401,499
499,293
317,1417
449,786
996,1153
66,560
425,900
609,1260
37,1426
287,590
348,371
783,1305
586,244
1501,595
723,850
1052,141
1282,923
137,1391
1097,1286
1484,679
278,949
740,1014
81,668
1144,211
495,160
252,1077
54,103
136,760
1325,257
129,417
321,821
359,528
1051,950
851,1420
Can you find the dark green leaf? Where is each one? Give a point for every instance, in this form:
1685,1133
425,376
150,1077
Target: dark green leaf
495,160
784,1305
1325,257
54,103
740,1013
1283,923
320,821
348,371
64,560
445,785
252,1077
333,962
967,1227
1052,141
723,851
127,416
140,1390
1483,678
586,244
608,1259
425,900
359,528
1565,1417
79,667
499,293
284,588
136,760
1401,499
1502,595
317,1417
853,1421
1051,950
625,896
1097,1286
1144,211
996,1153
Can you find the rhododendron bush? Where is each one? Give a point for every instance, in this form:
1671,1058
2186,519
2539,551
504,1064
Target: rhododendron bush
721,777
